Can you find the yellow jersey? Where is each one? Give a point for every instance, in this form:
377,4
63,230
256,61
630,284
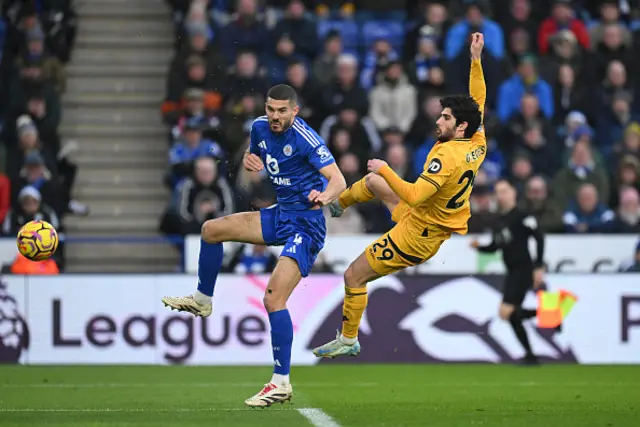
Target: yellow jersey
449,170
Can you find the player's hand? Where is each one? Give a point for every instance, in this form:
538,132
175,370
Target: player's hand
538,277
374,165
253,163
477,43
474,244
319,198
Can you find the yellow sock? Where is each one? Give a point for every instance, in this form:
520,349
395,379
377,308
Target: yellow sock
355,301
357,193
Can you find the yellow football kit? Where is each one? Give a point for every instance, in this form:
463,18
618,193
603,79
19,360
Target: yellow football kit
437,204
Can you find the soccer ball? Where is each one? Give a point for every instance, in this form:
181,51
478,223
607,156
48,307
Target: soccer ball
37,240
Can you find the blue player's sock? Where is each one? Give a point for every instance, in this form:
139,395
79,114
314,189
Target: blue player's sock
209,264
281,341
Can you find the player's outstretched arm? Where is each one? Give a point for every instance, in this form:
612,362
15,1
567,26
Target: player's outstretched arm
335,186
411,193
477,86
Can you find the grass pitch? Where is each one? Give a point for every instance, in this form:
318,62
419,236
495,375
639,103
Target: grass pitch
325,396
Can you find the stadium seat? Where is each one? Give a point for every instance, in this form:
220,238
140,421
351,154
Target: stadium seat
390,30
347,29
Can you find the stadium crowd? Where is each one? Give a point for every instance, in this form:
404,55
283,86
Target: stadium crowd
36,175
561,120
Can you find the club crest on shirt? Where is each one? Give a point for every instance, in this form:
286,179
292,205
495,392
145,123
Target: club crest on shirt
287,150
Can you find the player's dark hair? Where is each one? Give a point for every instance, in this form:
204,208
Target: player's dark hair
464,109
283,93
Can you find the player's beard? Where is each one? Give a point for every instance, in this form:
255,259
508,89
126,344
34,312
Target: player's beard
283,125
444,136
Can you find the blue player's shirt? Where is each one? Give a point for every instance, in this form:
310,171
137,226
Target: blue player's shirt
292,160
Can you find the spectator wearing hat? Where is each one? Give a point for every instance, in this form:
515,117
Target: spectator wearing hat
29,207
190,147
28,141
34,173
583,134
586,213
346,88
393,100
562,16
629,146
324,65
526,80
36,53
475,21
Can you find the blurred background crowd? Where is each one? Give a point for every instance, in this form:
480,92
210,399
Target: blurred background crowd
563,113
561,119
36,175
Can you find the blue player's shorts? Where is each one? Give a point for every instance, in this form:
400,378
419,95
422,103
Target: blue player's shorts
301,232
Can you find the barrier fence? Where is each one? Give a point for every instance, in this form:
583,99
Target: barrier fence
119,319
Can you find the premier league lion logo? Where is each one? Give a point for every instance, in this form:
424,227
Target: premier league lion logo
14,332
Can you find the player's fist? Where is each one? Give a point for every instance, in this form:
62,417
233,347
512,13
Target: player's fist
319,198
374,165
477,43
474,244
253,163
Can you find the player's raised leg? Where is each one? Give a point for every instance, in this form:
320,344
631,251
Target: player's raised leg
241,227
356,278
283,281
370,187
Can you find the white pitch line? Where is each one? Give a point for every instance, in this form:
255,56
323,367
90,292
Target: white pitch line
173,385
131,410
317,417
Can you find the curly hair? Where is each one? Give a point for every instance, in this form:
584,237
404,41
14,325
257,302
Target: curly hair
464,109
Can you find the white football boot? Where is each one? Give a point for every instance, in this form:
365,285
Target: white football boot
337,348
188,304
270,394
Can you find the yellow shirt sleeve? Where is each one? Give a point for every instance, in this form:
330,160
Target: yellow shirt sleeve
477,86
428,184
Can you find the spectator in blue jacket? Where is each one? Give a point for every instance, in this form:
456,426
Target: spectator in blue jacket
586,214
191,147
526,80
457,37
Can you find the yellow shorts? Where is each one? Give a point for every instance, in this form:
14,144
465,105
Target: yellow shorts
407,244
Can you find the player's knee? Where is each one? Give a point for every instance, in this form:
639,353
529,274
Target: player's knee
352,279
210,232
370,180
505,311
274,302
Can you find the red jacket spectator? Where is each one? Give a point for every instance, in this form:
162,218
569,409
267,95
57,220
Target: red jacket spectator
5,196
549,27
